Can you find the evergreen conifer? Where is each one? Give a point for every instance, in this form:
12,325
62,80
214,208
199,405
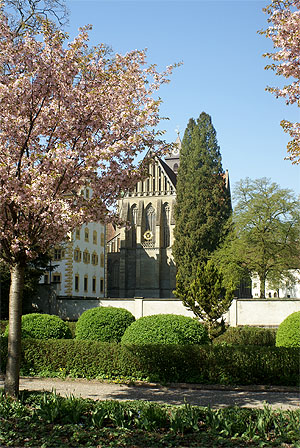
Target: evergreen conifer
203,203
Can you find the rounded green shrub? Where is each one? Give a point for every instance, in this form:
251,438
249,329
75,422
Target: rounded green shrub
43,326
105,324
288,333
265,337
166,329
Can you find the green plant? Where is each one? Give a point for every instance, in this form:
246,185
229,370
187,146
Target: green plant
288,333
151,416
214,364
43,326
72,327
166,329
105,324
3,325
247,336
54,408
46,419
184,418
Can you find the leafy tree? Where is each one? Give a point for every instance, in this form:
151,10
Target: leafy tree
70,119
203,203
208,298
265,234
284,30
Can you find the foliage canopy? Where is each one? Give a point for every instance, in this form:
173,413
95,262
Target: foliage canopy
265,233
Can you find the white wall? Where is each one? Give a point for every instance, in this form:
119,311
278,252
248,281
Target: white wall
269,313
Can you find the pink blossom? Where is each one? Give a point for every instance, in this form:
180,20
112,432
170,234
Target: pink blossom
284,30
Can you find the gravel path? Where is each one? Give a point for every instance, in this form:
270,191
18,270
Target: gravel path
215,396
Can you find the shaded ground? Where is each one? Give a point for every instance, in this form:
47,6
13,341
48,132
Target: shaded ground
215,396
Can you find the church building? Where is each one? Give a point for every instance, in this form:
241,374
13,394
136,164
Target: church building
139,258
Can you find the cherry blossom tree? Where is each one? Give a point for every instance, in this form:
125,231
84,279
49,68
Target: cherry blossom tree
70,118
284,30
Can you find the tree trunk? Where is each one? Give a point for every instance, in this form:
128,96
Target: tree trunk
262,278
11,385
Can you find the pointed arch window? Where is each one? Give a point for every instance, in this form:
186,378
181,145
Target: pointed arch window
134,213
166,225
150,220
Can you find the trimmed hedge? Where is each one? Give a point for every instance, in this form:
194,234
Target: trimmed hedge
161,363
43,326
105,324
246,335
288,333
166,329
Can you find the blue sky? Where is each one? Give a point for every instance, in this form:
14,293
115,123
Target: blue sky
222,73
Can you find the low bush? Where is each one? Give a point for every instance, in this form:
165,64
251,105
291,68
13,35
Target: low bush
166,329
248,336
43,326
105,324
162,363
3,325
288,333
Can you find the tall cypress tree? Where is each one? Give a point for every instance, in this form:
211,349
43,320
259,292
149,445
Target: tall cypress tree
203,203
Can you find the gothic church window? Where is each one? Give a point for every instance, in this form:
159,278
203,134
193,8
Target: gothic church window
150,220
134,212
166,226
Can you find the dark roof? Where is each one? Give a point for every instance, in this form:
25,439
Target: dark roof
169,172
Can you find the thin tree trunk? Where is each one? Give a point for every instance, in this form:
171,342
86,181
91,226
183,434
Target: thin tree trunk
11,385
262,279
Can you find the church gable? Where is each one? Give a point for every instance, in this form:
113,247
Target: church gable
161,181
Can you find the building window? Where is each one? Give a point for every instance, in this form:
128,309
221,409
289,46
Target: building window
58,254
56,278
77,233
166,227
87,193
46,279
86,234
94,284
85,283
95,259
76,283
77,255
86,258
175,167
102,260
101,285
102,239
94,237
150,221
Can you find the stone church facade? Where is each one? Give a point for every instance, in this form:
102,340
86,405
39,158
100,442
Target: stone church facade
139,258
